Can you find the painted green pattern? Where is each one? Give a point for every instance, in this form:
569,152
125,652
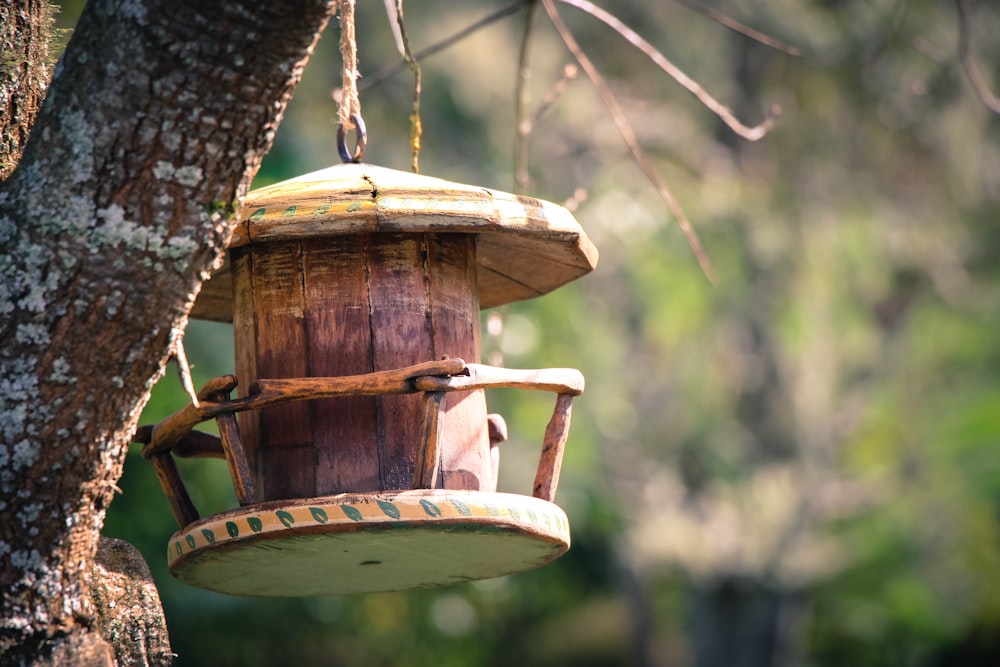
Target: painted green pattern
258,214
289,212
472,507
388,509
352,512
355,206
430,508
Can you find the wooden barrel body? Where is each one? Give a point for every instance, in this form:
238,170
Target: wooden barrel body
349,305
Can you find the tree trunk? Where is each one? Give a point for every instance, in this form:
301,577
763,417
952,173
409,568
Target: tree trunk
741,622
127,604
156,120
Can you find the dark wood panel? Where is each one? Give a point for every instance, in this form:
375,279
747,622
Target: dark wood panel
337,322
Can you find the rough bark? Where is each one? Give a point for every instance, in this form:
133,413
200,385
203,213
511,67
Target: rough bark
25,33
127,604
155,122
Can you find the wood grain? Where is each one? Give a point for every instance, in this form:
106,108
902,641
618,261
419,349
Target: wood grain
344,430
553,446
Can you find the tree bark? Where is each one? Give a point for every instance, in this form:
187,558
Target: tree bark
129,614
25,33
155,122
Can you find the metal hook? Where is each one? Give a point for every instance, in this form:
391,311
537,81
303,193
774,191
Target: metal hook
362,134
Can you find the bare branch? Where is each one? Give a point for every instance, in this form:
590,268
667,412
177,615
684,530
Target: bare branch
177,352
555,92
523,127
416,127
692,86
738,27
386,72
390,10
628,134
979,85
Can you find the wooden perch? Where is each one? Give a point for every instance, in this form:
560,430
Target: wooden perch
435,378
169,432
557,380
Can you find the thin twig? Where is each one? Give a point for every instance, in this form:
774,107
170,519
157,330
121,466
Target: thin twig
979,84
386,72
738,27
391,12
416,128
176,351
522,127
555,92
628,134
692,86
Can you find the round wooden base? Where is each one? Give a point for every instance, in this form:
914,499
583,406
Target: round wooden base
363,543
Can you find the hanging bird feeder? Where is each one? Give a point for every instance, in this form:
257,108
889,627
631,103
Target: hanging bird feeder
355,428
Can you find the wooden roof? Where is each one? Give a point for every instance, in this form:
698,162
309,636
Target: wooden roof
526,247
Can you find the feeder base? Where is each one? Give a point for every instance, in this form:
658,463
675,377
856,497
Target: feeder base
363,543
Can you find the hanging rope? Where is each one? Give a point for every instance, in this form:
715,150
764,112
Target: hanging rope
350,105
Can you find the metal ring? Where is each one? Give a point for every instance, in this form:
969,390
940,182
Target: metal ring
359,148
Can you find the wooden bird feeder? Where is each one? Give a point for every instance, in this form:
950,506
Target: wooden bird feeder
358,441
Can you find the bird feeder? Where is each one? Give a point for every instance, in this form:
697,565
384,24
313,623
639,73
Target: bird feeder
355,428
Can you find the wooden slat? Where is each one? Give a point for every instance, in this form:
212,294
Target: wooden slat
454,305
245,344
401,335
344,430
281,352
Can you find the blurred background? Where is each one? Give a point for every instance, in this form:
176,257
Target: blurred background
798,466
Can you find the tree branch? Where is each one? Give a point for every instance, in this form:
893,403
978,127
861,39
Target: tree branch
979,85
522,126
738,27
750,133
386,72
628,134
